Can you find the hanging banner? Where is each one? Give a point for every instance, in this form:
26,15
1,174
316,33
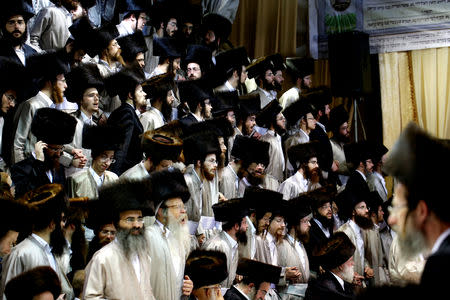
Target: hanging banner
393,25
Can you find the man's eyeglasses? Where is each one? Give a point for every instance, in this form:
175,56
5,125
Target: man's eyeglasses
131,220
11,99
104,159
58,149
108,232
177,206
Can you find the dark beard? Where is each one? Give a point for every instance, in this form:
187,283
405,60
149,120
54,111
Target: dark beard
13,41
267,86
132,244
166,111
277,86
57,240
209,176
254,180
278,129
242,237
327,223
343,139
302,237
69,4
363,222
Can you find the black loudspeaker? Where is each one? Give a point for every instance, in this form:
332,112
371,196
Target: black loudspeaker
349,60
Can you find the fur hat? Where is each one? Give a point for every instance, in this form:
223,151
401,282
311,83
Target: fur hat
232,210
298,208
12,75
348,199
133,6
357,152
249,104
335,252
277,61
302,153
124,82
158,86
378,150
53,126
338,116
221,127
82,32
101,37
321,196
126,195
230,59
217,23
250,150
199,54
33,282
197,146
46,66
131,45
102,138
11,214
259,66
296,111
373,202
16,7
261,200
160,146
409,163
300,66
81,78
167,184
257,271
206,267
166,47
225,102
267,116
317,97
193,92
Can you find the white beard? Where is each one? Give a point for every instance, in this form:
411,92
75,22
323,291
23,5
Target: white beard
180,239
348,273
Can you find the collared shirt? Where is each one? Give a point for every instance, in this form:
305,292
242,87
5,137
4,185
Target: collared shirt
359,239
124,28
115,68
273,248
86,119
98,179
299,250
47,99
362,174
21,54
234,244
237,288
236,180
305,135
49,172
340,280
440,240
229,86
197,118
325,231
382,180
164,229
47,249
252,229
301,180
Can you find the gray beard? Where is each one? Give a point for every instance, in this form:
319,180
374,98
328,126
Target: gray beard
180,237
347,274
413,242
132,244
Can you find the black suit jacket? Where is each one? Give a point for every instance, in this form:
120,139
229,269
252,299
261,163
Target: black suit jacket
435,277
233,294
357,183
30,173
186,121
328,287
7,50
130,153
316,237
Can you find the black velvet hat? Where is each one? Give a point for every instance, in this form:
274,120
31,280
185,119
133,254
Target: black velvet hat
197,146
257,271
357,152
218,126
131,45
259,66
160,146
302,153
192,92
133,6
234,58
336,251
374,201
81,78
46,66
250,150
277,61
261,199
249,104
206,267
167,184
225,102
300,67
53,126
296,111
101,38
123,82
166,47
17,7
83,33
12,75
102,138
217,23
199,54
266,117
338,116
232,210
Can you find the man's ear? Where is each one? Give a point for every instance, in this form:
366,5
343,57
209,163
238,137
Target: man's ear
421,212
52,225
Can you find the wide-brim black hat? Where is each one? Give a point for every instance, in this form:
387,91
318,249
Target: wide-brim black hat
206,267
53,126
200,55
225,102
11,214
133,6
250,150
298,208
300,66
234,58
166,47
12,74
232,210
192,13
81,78
46,65
357,152
302,153
257,271
317,97
217,23
192,92
259,66
296,111
374,201
249,104
267,116
338,116
102,138
131,45
261,200
16,7
336,251
123,82
221,127
160,146
168,184
277,61
101,37
197,146
82,32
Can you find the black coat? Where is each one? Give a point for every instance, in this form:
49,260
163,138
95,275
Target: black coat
328,287
434,276
7,50
30,173
316,237
186,121
233,294
357,183
130,153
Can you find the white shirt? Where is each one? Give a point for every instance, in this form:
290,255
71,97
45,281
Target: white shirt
21,54
252,229
98,180
273,249
301,253
48,101
229,86
47,249
382,180
245,296
341,281
234,244
359,239
439,240
124,28
49,173
362,174
86,119
325,231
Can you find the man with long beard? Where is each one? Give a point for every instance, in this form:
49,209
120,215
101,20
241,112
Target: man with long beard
46,205
352,207
336,258
14,29
249,106
52,129
169,235
232,214
270,117
419,211
49,71
306,178
122,269
291,250
51,26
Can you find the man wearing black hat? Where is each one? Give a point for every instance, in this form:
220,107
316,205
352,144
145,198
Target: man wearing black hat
52,129
46,205
341,136
169,57
306,178
291,250
169,235
198,101
300,70
336,258
51,27
207,268
122,269
249,106
231,65
270,117
133,48
232,214
49,72
14,18
375,180
256,280
359,162
197,62
134,17
262,70
103,141
419,213
127,85
278,68
214,30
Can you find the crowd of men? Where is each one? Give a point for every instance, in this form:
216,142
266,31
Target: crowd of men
143,156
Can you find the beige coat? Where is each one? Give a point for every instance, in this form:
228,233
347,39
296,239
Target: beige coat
277,163
348,230
374,254
269,183
110,275
136,172
289,257
228,183
151,119
82,184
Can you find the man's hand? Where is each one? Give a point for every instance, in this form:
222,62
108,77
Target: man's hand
102,120
39,150
357,279
335,166
292,273
222,197
188,285
79,159
368,272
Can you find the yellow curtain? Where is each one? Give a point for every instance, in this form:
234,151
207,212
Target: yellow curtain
265,27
